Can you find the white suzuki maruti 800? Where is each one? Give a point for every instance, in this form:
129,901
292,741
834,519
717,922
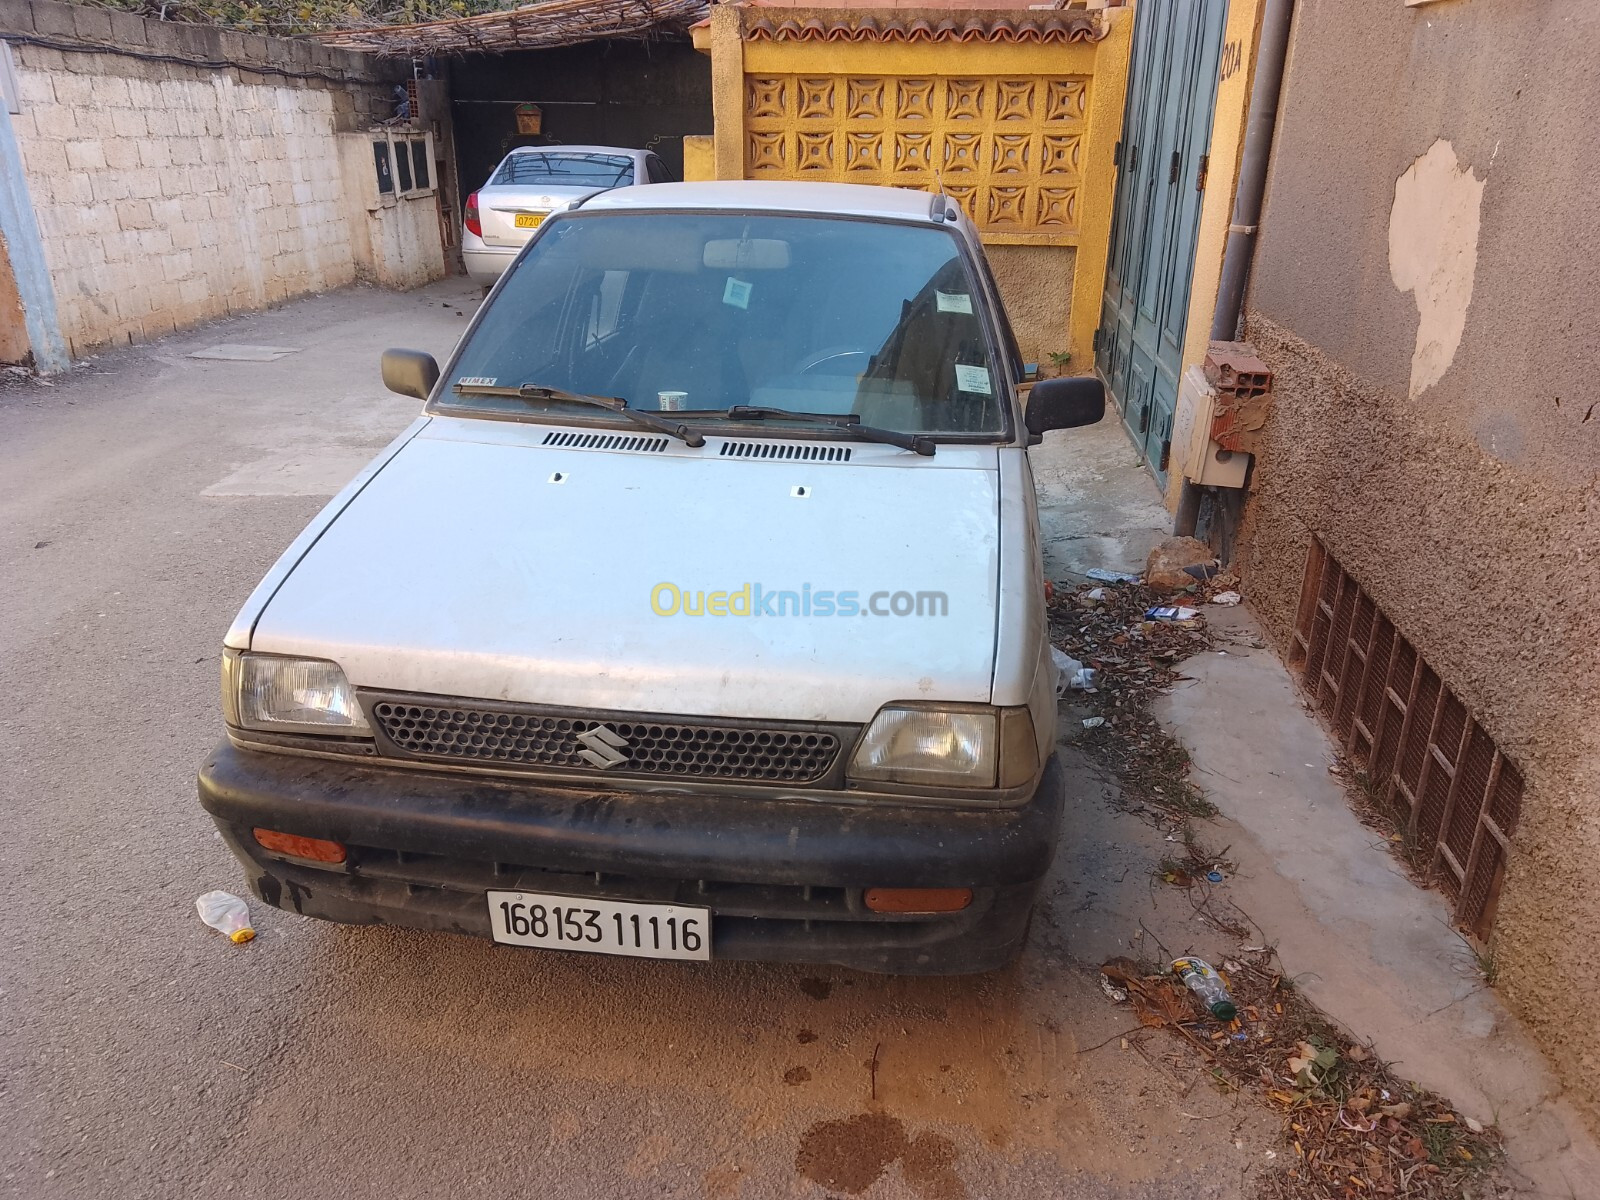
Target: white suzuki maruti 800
699,615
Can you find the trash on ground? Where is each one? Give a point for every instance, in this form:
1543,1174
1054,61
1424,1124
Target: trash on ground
1157,1000
1214,876
1169,564
1093,722
1136,660
1096,594
1113,993
1072,675
1202,979
1225,599
1101,575
1170,612
225,912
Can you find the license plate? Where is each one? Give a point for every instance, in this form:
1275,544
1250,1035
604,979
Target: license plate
529,220
601,926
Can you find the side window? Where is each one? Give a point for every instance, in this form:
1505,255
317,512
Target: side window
657,170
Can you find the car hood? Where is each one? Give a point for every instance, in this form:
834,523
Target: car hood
482,562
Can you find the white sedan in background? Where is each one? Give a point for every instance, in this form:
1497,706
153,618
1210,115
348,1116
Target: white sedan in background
531,183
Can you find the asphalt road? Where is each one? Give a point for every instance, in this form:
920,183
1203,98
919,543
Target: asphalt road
141,1055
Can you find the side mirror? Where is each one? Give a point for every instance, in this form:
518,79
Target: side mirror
1065,403
412,373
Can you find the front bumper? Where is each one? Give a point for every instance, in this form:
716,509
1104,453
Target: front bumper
783,878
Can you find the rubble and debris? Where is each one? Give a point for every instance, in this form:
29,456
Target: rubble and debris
1135,659
1170,563
1351,1127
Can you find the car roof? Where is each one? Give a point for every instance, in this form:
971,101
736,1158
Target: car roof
621,151
761,195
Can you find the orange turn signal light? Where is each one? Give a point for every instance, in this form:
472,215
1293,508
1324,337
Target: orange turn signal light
295,846
917,900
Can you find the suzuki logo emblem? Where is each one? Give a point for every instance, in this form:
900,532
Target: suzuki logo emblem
603,747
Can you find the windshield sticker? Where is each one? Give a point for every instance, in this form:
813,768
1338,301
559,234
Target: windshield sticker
954,302
737,293
973,379
477,381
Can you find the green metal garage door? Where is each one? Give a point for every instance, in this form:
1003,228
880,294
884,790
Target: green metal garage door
1166,129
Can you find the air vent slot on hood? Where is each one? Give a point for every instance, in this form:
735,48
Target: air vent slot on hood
605,441
801,450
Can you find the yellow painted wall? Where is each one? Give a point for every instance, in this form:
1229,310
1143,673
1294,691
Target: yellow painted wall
1021,135
699,158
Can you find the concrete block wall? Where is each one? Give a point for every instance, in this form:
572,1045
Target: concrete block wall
168,193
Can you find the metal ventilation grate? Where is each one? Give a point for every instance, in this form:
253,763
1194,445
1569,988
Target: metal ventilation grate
468,731
806,451
605,441
1423,753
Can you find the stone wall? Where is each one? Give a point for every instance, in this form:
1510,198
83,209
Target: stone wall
171,192
1427,307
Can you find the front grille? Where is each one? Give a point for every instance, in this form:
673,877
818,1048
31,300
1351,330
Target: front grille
467,732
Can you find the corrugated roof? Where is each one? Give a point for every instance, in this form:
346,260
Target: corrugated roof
534,27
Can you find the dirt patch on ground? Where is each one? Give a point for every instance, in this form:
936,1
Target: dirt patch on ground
853,1153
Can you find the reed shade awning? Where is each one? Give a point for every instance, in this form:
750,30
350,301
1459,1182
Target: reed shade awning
534,27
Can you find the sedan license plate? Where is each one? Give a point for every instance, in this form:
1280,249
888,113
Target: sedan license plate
529,220
601,926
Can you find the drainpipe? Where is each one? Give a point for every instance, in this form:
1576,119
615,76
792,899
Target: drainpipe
1271,52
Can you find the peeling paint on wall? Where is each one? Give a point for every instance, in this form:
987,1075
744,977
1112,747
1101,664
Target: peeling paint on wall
1433,254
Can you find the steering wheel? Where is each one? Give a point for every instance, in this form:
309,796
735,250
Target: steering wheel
827,355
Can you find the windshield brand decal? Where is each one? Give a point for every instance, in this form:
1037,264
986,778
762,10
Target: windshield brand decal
757,600
603,747
973,379
477,381
954,302
737,293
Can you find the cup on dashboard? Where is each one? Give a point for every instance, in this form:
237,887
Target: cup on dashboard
673,401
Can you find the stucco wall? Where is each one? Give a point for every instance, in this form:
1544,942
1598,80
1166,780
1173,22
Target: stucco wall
1036,285
168,194
1425,286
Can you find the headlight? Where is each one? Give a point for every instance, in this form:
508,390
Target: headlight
290,695
972,747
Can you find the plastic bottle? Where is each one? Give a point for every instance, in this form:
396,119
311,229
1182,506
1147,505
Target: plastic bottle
1203,980
226,912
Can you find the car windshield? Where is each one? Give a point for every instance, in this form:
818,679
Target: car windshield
566,170
700,312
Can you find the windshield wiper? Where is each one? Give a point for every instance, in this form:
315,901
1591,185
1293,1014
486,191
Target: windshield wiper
533,391
848,422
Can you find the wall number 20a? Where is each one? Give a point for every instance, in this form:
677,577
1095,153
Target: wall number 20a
1232,59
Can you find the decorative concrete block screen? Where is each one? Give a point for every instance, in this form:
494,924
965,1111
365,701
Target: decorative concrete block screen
1424,757
1014,114
1009,150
